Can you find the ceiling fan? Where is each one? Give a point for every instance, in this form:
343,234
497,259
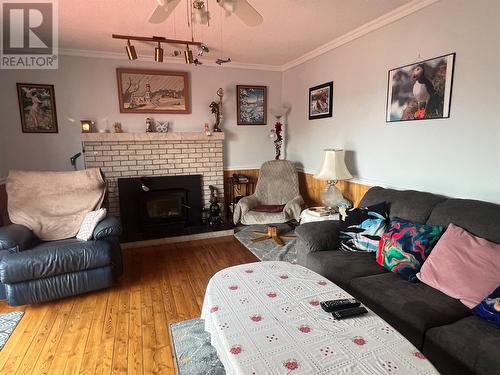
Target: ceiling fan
241,8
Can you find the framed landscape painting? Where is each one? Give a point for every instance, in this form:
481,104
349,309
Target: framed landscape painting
251,104
37,106
153,91
420,91
321,101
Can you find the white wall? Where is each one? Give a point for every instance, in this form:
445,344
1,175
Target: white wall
459,156
86,88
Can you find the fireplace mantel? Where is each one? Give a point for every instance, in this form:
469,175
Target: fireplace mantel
138,137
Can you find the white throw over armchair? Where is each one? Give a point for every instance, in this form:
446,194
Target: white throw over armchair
276,198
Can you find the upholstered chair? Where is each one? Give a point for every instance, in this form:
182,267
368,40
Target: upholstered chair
276,198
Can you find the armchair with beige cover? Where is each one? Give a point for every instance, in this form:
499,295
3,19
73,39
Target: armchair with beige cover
276,198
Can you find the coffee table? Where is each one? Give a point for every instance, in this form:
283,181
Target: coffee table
265,318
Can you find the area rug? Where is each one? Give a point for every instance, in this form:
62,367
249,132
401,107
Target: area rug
193,352
8,322
268,250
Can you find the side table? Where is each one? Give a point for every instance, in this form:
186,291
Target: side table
307,217
243,189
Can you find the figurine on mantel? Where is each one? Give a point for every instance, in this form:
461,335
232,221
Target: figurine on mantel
149,125
118,127
217,111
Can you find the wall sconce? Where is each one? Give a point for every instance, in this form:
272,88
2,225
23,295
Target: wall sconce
159,53
88,126
131,53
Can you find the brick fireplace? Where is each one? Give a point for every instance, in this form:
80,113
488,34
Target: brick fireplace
128,155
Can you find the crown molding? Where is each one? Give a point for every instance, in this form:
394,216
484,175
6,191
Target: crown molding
386,19
367,28
166,59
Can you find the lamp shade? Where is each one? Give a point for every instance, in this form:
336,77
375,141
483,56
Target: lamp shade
333,167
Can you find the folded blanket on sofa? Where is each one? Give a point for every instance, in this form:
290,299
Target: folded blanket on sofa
53,204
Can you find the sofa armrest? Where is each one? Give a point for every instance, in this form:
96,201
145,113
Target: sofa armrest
319,235
244,205
109,227
16,237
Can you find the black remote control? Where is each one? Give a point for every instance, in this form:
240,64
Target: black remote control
341,314
339,304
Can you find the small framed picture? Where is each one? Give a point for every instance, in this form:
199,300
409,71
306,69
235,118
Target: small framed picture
251,104
321,101
37,106
420,91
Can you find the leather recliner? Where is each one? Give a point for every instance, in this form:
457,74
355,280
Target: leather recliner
33,271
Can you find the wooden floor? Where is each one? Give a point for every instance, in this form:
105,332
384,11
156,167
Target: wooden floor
123,329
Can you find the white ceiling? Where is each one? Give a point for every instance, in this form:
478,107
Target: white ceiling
291,28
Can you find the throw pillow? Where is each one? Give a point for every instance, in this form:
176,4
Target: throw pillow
405,246
463,266
270,208
362,228
489,308
89,223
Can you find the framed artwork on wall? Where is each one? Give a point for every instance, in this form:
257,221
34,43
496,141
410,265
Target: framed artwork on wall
251,105
420,91
153,91
321,101
37,106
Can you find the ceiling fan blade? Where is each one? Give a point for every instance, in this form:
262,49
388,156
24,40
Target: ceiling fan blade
247,13
161,13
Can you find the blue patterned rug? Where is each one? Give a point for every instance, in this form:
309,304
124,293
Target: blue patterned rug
8,323
193,353
268,250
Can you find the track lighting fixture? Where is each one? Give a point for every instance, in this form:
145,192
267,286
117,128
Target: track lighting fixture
188,55
202,49
159,53
131,53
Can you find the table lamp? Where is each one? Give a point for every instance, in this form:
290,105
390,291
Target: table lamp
332,169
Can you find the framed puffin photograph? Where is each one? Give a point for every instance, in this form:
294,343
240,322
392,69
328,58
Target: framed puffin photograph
421,91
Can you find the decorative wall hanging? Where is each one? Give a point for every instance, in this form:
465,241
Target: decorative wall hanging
251,104
321,101
420,91
37,106
153,91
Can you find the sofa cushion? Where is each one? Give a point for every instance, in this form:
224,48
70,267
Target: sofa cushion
341,266
469,346
411,308
463,266
405,246
480,218
54,258
407,204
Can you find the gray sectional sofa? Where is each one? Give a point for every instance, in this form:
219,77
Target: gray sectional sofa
456,341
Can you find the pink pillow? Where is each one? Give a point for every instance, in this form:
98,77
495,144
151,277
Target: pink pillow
463,266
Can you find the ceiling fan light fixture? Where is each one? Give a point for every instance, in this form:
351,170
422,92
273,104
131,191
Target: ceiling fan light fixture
159,53
131,53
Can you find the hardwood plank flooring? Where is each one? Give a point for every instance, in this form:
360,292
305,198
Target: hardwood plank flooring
124,329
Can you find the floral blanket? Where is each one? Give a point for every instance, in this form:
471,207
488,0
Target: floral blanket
266,318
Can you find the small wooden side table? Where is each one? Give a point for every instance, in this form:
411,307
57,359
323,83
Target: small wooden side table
307,217
244,189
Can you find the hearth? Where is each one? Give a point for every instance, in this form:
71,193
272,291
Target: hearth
152,207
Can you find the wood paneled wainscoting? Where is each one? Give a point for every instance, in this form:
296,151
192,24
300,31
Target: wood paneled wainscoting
311,189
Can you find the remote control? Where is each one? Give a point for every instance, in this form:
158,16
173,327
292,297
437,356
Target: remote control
354,311
339,304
